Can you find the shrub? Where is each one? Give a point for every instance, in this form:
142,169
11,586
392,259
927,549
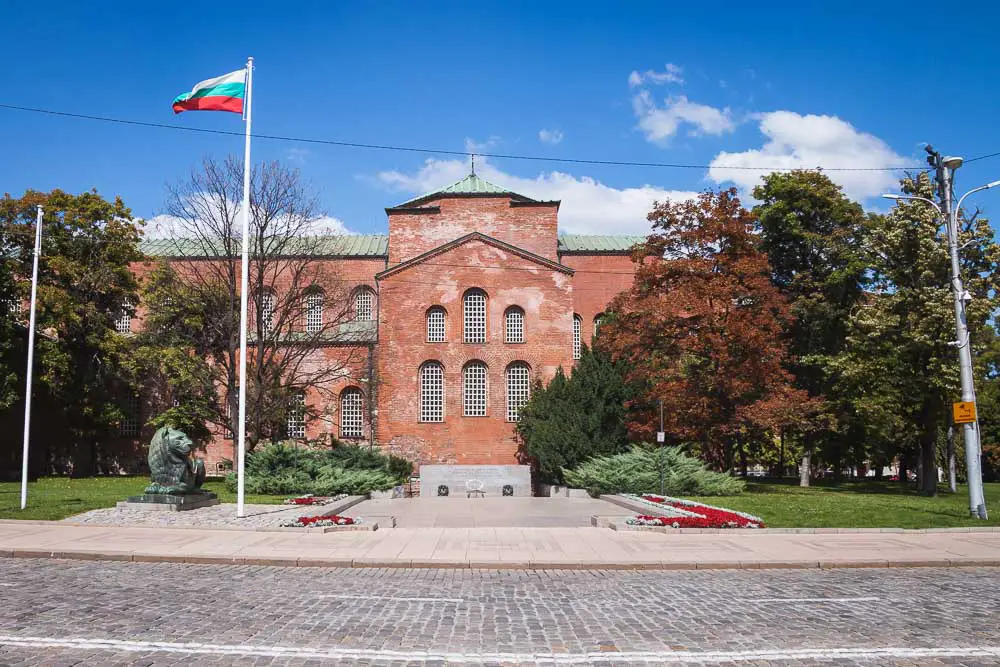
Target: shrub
282,469
638,471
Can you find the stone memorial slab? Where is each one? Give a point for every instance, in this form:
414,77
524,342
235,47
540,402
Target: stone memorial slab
494,480
165,502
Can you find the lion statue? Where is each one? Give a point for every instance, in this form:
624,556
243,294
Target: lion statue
172,465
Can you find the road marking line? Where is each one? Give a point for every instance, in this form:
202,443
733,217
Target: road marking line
867,599
658,657
389,597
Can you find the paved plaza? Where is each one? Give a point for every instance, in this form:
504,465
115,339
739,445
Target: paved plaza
104,613
461,512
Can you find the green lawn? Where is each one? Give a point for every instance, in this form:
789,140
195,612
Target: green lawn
59,497
856,505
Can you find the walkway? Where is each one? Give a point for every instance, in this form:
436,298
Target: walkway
538,548
485,512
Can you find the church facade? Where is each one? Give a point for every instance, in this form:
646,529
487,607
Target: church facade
471,298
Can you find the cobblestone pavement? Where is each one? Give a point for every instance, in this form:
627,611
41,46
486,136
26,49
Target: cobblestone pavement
105,613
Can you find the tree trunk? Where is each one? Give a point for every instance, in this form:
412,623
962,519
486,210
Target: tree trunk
927,480
805,468
951,458
903,470
781,453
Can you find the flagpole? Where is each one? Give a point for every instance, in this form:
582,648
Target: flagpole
31,358
244,289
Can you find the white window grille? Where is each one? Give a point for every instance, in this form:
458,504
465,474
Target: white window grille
13,306
123,324
474,307
128,427
295,422
432,392
352,419
435,325
227,431
514,325
314,311
518,389
577,336
267,311
474,389
364,305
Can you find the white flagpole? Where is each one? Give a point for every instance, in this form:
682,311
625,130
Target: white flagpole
31,358
244,289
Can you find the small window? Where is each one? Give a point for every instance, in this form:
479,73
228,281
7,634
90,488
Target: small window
514,325
12,306
577,336
474,389
432,392
351,413
364,305
518,389
295,424
123,324
597,323
435,325
474,311
128,427
314,311
227,431
267,311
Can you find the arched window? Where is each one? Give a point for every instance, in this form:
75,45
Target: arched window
364,305
518,389
131,421
598,318
123,323
295,420
474,310
352,419
577,336
266,312
435,325
432,392
475,389
513,321
314,311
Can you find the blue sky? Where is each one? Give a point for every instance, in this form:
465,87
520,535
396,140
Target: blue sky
796,85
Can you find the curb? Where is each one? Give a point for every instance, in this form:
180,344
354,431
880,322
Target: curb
128,557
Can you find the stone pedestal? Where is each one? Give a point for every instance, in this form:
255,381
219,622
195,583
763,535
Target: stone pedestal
162,502
494,478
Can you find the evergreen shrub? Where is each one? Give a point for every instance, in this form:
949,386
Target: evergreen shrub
638,471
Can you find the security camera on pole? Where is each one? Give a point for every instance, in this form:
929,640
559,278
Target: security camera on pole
965,411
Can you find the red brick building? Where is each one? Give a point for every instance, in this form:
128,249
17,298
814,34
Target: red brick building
471,298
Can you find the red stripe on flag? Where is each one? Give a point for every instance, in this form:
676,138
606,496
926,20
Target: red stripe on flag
215,103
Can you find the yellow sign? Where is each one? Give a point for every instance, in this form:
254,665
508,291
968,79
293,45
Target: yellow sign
964,412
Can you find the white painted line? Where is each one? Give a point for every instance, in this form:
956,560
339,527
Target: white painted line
657,657
389,597
868,599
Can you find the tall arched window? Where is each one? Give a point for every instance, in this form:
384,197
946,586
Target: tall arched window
432,392
474,311
518,389
314,311
266,312
475,388
513,325
577,336
295,420
435,324
123,323
364,305
352,419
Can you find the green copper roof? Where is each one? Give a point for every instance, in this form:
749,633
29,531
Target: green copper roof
470,185
346,245
586,243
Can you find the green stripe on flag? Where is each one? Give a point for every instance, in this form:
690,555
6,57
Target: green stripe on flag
222,90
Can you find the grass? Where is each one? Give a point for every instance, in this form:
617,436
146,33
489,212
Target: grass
783,504
52,498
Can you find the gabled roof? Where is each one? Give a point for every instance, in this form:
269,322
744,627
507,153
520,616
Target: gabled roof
474,236
470,186
586,244
341,245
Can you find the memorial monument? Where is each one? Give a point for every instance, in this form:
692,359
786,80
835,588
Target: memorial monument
176,475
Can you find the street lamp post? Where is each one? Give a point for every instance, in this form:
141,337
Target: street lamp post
977,503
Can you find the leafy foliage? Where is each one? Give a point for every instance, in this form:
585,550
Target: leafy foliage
638,471
572,419
279,468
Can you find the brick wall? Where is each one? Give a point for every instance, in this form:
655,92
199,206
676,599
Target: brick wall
596,281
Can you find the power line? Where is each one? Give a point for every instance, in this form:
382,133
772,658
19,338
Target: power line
438,151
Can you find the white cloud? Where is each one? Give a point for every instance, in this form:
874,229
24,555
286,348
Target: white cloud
670,74
297,155
550,136
660,123
588,206
809,141
166,226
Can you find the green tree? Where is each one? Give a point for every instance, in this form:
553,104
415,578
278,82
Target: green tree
813,237
11,326
573,419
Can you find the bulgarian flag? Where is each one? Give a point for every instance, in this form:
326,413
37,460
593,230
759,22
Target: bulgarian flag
223,93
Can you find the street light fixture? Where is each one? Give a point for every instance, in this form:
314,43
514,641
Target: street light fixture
946,168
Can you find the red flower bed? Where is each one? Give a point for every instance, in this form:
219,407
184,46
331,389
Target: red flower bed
708,516
322,521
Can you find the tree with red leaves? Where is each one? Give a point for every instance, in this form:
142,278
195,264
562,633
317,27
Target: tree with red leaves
702,330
